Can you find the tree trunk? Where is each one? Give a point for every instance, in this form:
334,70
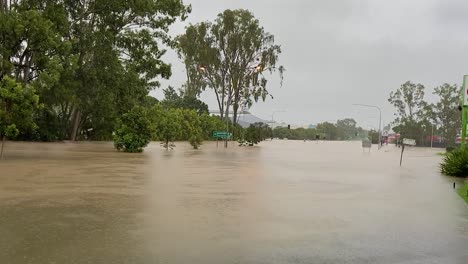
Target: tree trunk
3,144
75,124
3,5
235,107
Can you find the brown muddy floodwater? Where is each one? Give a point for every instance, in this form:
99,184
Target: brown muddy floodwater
281,202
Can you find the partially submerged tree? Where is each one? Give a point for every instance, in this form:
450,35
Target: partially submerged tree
134,130
17,103
90,60
256,133
413,113
192,128
230,56
173,100
446,113
167,123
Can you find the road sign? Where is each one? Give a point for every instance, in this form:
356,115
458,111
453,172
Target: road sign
409,141
222,135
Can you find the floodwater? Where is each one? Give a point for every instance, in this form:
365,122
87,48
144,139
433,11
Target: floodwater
281,202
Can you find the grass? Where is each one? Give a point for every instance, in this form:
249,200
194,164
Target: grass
463,191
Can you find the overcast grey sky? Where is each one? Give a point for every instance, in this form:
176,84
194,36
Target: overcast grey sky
341,52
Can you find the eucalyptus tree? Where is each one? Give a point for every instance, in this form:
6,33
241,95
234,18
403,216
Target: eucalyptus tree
231,56
446,113
413,112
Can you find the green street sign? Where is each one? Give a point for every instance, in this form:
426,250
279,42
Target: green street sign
464,97
222,135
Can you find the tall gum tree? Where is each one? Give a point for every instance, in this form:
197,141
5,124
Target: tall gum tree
230,56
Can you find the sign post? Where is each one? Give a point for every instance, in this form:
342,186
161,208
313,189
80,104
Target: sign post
406,141
464,104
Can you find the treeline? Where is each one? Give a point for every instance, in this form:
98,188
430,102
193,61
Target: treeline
82,70
84,63
419,119
345,129
176,118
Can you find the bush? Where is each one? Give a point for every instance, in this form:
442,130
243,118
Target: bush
450,149
134,131
456,163
256,133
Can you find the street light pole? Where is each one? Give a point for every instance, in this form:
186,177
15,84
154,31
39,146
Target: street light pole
380,120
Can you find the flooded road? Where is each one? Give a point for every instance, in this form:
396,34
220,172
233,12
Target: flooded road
282,202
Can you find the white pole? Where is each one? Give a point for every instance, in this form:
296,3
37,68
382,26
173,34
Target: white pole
380,128
380,121
432,135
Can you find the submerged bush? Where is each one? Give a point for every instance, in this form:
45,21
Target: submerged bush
134,131
456,163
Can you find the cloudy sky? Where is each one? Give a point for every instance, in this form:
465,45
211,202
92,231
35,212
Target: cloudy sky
342,52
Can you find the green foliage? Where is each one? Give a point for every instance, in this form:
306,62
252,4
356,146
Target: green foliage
347,129
414,115
374,136
282,132
167,123
327,130
134,131
445,112
173,100
256,133
210,124
17,105
455,163
409,101
463,192
230,56
90,61
192,128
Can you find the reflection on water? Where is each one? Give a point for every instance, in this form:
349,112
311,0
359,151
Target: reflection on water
282,202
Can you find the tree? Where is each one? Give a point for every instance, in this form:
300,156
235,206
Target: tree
168,124
229,56
192,128
446,113
282,132
110,59
174,100
256,133
210,124
134,130
327,130
346,128
17,103
412,113
409,101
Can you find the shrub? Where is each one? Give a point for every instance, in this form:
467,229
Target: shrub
456,163
256,133
450,149
134,131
